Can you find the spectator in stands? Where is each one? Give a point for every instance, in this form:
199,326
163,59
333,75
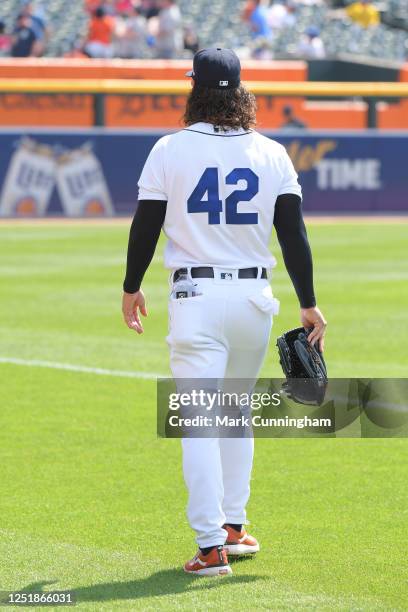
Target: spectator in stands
191,40
248,10
25,42
36,14
5,39
311,45
109,7
291,16
150,8
282,15
92,5
258,20
124,7
363,13
130,34
290,120
100,33
169,42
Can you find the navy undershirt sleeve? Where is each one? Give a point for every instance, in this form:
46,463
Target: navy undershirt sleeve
292,236
143,236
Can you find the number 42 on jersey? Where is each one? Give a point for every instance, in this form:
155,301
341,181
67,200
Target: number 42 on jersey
208,184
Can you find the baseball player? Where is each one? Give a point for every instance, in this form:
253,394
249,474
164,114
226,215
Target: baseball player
216,188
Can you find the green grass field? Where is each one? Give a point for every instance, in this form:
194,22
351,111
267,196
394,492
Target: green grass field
92,501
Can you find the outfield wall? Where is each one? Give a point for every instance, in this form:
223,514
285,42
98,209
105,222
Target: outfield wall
94,172
163,111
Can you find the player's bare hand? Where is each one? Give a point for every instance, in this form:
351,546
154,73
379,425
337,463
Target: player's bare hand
312,317
132,304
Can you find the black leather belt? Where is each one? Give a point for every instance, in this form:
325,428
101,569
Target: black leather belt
207,272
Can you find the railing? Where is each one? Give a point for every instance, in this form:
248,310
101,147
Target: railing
371,93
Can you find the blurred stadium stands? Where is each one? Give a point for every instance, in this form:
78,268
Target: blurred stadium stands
65,26
341,36
221,23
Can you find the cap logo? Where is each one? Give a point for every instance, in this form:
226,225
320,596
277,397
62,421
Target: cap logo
223,83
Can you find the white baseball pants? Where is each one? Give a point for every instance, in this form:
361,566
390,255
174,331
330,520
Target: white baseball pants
223,334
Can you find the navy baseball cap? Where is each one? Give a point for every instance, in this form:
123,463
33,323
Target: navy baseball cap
216,68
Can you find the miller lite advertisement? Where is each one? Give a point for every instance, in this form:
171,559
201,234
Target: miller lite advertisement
35,169
81,184
29,181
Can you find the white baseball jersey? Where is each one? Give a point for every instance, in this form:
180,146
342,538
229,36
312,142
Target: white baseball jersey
220,189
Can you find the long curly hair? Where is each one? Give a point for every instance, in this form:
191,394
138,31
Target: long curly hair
227,108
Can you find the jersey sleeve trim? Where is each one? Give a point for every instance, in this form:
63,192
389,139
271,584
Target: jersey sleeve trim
151,194
294,189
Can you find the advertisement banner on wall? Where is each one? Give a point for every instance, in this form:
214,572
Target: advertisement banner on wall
29,180
95,172
81,184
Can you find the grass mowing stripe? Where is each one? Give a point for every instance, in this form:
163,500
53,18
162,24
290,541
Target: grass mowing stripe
38,363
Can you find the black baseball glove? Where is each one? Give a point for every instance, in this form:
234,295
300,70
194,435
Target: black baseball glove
303,366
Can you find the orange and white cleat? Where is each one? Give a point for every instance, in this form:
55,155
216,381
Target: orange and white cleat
213,564
240,542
